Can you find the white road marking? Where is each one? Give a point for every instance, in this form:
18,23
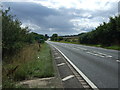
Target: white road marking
80,72
99,54
57,57
60,64
89,52
103,54
108,56
86,86
84,83
82,48
95,54
68,77
118,61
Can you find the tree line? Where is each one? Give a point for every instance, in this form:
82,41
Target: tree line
14,37
55,37
106,34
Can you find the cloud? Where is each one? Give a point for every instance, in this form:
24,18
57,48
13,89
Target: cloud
62,16
32,26
77,4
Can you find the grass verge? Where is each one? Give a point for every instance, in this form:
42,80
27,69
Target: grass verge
67,42
114,47
29,63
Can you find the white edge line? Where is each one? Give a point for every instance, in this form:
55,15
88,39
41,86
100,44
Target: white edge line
80,72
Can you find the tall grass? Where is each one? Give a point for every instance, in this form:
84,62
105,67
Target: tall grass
30,62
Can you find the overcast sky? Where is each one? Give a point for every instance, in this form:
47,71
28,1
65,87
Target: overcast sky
64,17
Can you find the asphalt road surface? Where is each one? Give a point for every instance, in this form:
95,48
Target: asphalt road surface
98,64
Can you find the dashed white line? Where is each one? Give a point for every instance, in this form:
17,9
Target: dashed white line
118,61
105,55
89,52
99,54
108,56
95,54
61,64
81,48
68,77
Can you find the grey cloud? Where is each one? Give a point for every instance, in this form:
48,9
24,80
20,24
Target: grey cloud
58,20
24,10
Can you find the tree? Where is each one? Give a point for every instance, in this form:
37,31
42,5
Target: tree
46,36
54,37
59,38
105,34
13,36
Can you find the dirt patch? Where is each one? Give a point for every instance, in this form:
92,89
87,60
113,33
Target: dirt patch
51,82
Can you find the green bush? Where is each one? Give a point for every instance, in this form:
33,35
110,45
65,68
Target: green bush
14,37
106,34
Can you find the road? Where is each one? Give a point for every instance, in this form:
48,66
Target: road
98,64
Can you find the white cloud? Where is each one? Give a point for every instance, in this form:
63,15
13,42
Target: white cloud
31,26
17,0
77,4
84,23
51,29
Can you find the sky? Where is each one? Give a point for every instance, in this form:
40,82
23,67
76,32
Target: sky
64,17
